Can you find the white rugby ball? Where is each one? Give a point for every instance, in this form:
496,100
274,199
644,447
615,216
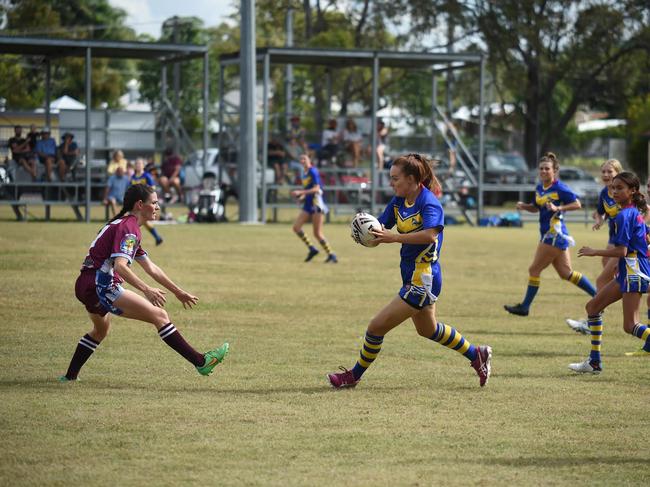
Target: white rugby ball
361,227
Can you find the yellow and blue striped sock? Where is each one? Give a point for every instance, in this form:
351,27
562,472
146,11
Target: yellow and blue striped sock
451,338
304,238
582,282
642,332
369,351
596,328
326,246
531,291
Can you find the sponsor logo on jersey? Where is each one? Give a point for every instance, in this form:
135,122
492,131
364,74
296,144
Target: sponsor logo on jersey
128,244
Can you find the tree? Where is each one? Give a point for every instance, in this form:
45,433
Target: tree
86,19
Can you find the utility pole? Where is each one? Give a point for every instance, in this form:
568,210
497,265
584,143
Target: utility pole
247,127
288,77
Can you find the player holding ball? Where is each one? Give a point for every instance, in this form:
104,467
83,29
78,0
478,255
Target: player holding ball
419,218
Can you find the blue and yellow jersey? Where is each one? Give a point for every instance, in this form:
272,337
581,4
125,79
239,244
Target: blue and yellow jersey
630,232
557,193
310,179
608,207
426,212
145,178
606,204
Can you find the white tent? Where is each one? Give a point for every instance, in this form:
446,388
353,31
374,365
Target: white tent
66,103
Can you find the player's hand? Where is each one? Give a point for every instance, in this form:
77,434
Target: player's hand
384,236
586,252
155,296
552,207
597,225
187,299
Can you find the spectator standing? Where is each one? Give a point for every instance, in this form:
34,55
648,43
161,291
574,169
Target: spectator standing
352,141
171,176
115,188
21,152
296,145
140,176
46,152
116,161
68,154
382,142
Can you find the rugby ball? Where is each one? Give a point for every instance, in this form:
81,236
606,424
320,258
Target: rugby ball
360,229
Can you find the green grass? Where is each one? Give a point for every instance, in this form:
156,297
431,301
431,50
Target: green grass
142,416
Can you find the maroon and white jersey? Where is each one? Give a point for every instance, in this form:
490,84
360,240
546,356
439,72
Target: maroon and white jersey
119,238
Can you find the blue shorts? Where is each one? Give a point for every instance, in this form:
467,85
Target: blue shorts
108,291
420,296
556,240
315,204
628,278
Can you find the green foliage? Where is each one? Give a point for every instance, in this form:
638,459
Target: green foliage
84,19
639,133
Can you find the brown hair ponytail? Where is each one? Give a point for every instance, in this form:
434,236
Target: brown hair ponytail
421,168
135,193
552,158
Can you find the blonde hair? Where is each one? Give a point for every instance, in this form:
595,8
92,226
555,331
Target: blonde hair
615,163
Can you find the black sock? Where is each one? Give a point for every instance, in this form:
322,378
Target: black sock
172,337
84,350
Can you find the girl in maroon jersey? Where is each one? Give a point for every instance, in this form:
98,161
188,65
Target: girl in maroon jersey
107,266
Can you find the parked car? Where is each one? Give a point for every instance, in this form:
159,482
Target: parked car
505,168
582,183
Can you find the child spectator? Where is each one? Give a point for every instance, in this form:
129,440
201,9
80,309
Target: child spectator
21,152
68,154
115,189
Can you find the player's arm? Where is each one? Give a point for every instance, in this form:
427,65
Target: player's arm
154,295
574,205
423,237
161,278
617,252
529,207
304,192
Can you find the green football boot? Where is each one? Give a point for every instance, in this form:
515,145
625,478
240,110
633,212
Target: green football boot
213,358
63,379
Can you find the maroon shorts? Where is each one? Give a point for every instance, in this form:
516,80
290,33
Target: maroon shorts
86,292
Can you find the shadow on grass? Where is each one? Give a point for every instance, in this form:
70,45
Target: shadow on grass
536,354
554,462
521,333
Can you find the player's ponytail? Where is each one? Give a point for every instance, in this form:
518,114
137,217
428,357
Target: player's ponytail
421,168
135,193
632,181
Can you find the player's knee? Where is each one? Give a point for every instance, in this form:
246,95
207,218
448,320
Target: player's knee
161,317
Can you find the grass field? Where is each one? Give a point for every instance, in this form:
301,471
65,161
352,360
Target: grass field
142,416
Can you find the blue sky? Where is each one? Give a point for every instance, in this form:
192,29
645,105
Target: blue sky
146,16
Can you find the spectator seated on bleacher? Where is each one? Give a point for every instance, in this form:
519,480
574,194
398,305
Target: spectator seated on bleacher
21,152
46,152
68,155
116,161
276,159
171,176
115,188
329,143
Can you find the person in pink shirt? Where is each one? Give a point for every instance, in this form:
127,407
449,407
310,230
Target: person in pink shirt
108,265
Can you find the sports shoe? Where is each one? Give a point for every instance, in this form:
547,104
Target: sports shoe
579,326
343,379
482,364
331,258
63,379
312,253
586,367
213,358
159,241
517,309
638,353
